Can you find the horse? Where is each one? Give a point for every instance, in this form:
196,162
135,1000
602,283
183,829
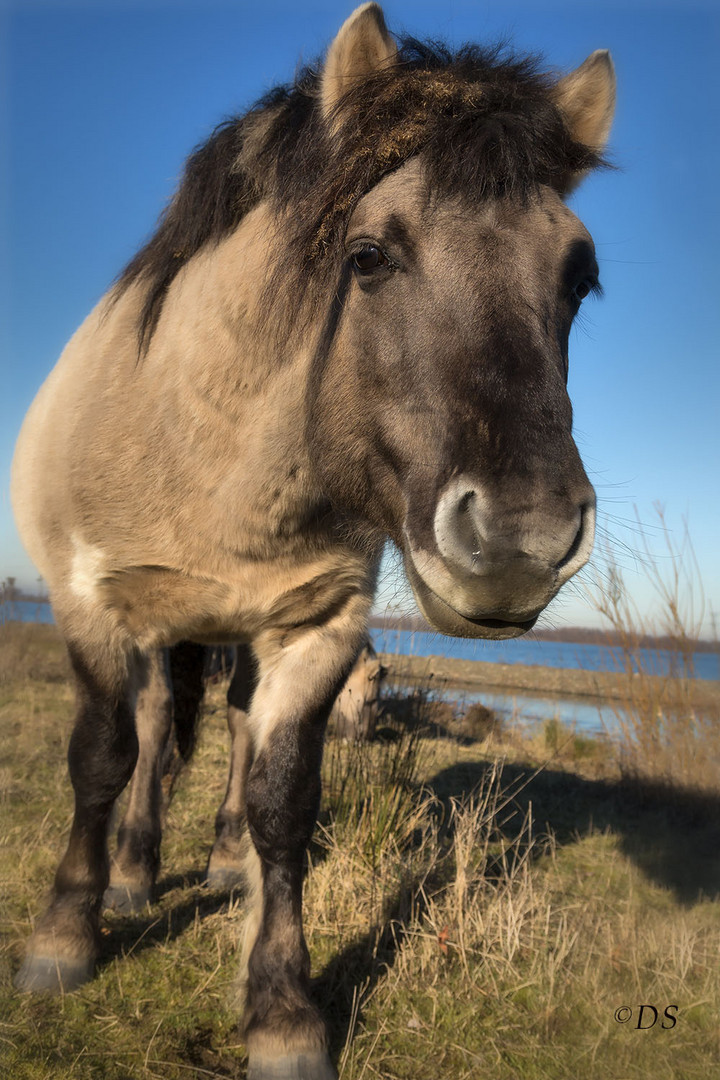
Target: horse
350,325
166,725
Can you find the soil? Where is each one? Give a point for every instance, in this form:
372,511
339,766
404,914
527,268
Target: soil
555,682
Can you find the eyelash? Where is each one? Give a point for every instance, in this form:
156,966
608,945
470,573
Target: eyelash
592,287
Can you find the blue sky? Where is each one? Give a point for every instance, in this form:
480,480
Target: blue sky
101,101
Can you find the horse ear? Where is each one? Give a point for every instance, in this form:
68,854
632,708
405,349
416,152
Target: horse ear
362,46
586,97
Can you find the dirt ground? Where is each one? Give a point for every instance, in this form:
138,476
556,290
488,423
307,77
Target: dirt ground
454,674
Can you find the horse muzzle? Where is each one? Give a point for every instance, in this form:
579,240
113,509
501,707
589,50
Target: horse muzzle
489,571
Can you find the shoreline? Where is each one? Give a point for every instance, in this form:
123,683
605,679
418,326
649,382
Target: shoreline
448,673
476,675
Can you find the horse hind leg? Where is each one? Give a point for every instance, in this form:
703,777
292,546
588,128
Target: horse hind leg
103,750
232,853
135,864
170,700
187,671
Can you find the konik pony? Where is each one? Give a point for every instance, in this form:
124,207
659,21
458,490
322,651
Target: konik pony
351,324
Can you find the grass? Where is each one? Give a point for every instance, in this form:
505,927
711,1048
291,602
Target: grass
478,904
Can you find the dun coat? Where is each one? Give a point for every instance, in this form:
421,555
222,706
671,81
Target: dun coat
351,324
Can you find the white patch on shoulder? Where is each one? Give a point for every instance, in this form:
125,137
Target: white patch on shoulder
88,567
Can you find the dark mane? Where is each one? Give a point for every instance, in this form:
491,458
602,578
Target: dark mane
482,120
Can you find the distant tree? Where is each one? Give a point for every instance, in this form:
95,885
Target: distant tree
8,595
9,589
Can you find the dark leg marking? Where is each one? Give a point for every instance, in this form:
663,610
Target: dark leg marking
187,665
103,750
300,675
283,797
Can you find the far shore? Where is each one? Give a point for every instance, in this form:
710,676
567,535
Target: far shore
478,675
473,676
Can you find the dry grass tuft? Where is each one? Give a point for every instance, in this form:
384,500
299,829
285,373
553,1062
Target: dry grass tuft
666,735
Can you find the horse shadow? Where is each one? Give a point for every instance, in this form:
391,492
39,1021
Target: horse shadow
671,834
133,934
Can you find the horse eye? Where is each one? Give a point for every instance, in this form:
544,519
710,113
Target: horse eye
368,258
583,289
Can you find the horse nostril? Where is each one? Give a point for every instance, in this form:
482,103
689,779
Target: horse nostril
466,525
458,525
586,511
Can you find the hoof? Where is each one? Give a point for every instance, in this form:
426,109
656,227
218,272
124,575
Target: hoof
224,877
311,1066
126,900
50,975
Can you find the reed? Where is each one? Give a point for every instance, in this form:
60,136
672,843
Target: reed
667,734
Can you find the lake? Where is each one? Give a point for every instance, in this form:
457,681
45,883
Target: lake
586,716
560,654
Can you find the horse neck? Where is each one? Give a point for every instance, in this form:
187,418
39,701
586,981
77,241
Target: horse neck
214,340
223,378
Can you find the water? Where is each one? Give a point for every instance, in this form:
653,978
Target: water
559,654
585,715
25,611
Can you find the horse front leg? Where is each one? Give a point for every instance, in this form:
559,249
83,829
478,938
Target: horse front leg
227,866
103,750
284,1032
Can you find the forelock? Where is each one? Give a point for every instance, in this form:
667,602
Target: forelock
482,121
